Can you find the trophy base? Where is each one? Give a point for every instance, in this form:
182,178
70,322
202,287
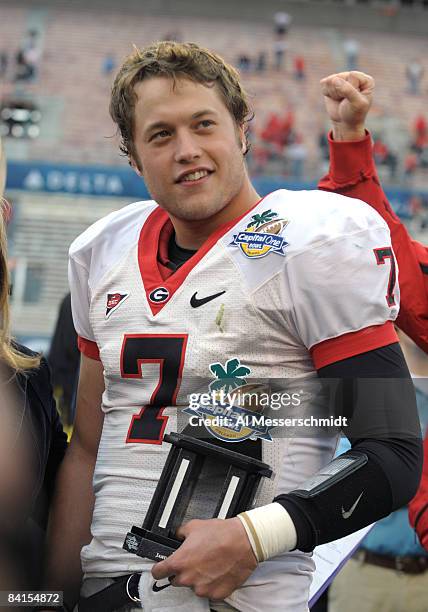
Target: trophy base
148,544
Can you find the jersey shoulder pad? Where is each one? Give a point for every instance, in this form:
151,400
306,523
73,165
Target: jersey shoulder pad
314,217
120,225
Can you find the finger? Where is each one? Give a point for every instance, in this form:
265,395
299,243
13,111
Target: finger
186,528
164,583
339,89
328,79
178,581
360,80
182,532
163,569
331,87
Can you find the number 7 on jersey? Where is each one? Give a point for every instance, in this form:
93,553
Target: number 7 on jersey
168,351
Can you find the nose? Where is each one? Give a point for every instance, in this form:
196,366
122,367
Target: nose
187,147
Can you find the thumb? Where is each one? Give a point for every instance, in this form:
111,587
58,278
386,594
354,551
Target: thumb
182,532
186,529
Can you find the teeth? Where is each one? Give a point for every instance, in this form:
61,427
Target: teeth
195,176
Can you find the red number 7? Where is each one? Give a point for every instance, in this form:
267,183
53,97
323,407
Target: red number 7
381,255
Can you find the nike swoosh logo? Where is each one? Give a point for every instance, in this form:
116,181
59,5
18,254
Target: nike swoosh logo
196,302
347,513
157,588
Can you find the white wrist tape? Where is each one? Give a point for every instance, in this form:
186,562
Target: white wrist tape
270,530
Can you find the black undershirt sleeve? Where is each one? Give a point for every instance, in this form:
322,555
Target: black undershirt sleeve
375,391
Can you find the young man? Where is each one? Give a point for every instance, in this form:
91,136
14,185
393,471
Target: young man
208,277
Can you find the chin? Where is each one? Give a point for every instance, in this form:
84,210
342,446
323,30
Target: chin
198,213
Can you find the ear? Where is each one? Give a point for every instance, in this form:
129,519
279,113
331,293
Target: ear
135,166
242,138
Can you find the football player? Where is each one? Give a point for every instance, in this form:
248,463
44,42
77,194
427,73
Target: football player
209,279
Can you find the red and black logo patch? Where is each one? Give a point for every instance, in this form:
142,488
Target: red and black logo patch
113,301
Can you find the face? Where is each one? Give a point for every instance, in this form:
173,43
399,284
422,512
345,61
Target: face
190,150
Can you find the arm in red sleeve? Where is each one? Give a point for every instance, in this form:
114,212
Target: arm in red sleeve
352,173
418,507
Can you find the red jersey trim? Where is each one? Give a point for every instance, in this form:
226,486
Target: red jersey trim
148,246
88,348
353,343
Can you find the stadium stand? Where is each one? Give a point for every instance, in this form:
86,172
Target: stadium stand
42,230
73,93
71,89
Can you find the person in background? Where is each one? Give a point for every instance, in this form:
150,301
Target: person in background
108,64
28,57
348,96
32,442
352,172
351,48
297,154
414,75
4,60
64,359
299,68
282,22
280,46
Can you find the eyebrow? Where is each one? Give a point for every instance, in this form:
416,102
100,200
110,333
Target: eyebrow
164,124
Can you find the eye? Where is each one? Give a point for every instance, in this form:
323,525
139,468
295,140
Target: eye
160,135
205,123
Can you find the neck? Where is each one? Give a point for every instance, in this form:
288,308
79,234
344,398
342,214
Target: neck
192,234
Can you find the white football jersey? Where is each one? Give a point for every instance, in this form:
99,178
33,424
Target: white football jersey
302,280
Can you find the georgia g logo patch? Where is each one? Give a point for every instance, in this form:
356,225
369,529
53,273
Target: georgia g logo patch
159,295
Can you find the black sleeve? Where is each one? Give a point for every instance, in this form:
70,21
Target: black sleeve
375,391
64,355
51,438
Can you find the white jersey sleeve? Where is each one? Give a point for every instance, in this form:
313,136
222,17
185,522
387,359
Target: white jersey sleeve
97,250
80,298
345,281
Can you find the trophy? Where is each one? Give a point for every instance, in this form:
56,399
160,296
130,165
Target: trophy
200,480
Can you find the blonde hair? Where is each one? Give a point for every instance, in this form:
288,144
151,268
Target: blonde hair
9,355
174,60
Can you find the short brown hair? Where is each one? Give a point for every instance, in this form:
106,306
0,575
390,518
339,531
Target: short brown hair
175,60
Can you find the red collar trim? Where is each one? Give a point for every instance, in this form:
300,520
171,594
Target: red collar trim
164,237
152,236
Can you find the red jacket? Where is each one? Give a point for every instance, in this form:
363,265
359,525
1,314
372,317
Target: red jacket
353,173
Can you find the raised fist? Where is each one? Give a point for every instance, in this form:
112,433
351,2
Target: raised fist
348,97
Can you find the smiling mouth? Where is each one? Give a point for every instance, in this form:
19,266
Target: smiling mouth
194,177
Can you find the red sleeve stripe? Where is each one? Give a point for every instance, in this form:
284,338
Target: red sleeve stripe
88,348
353,343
